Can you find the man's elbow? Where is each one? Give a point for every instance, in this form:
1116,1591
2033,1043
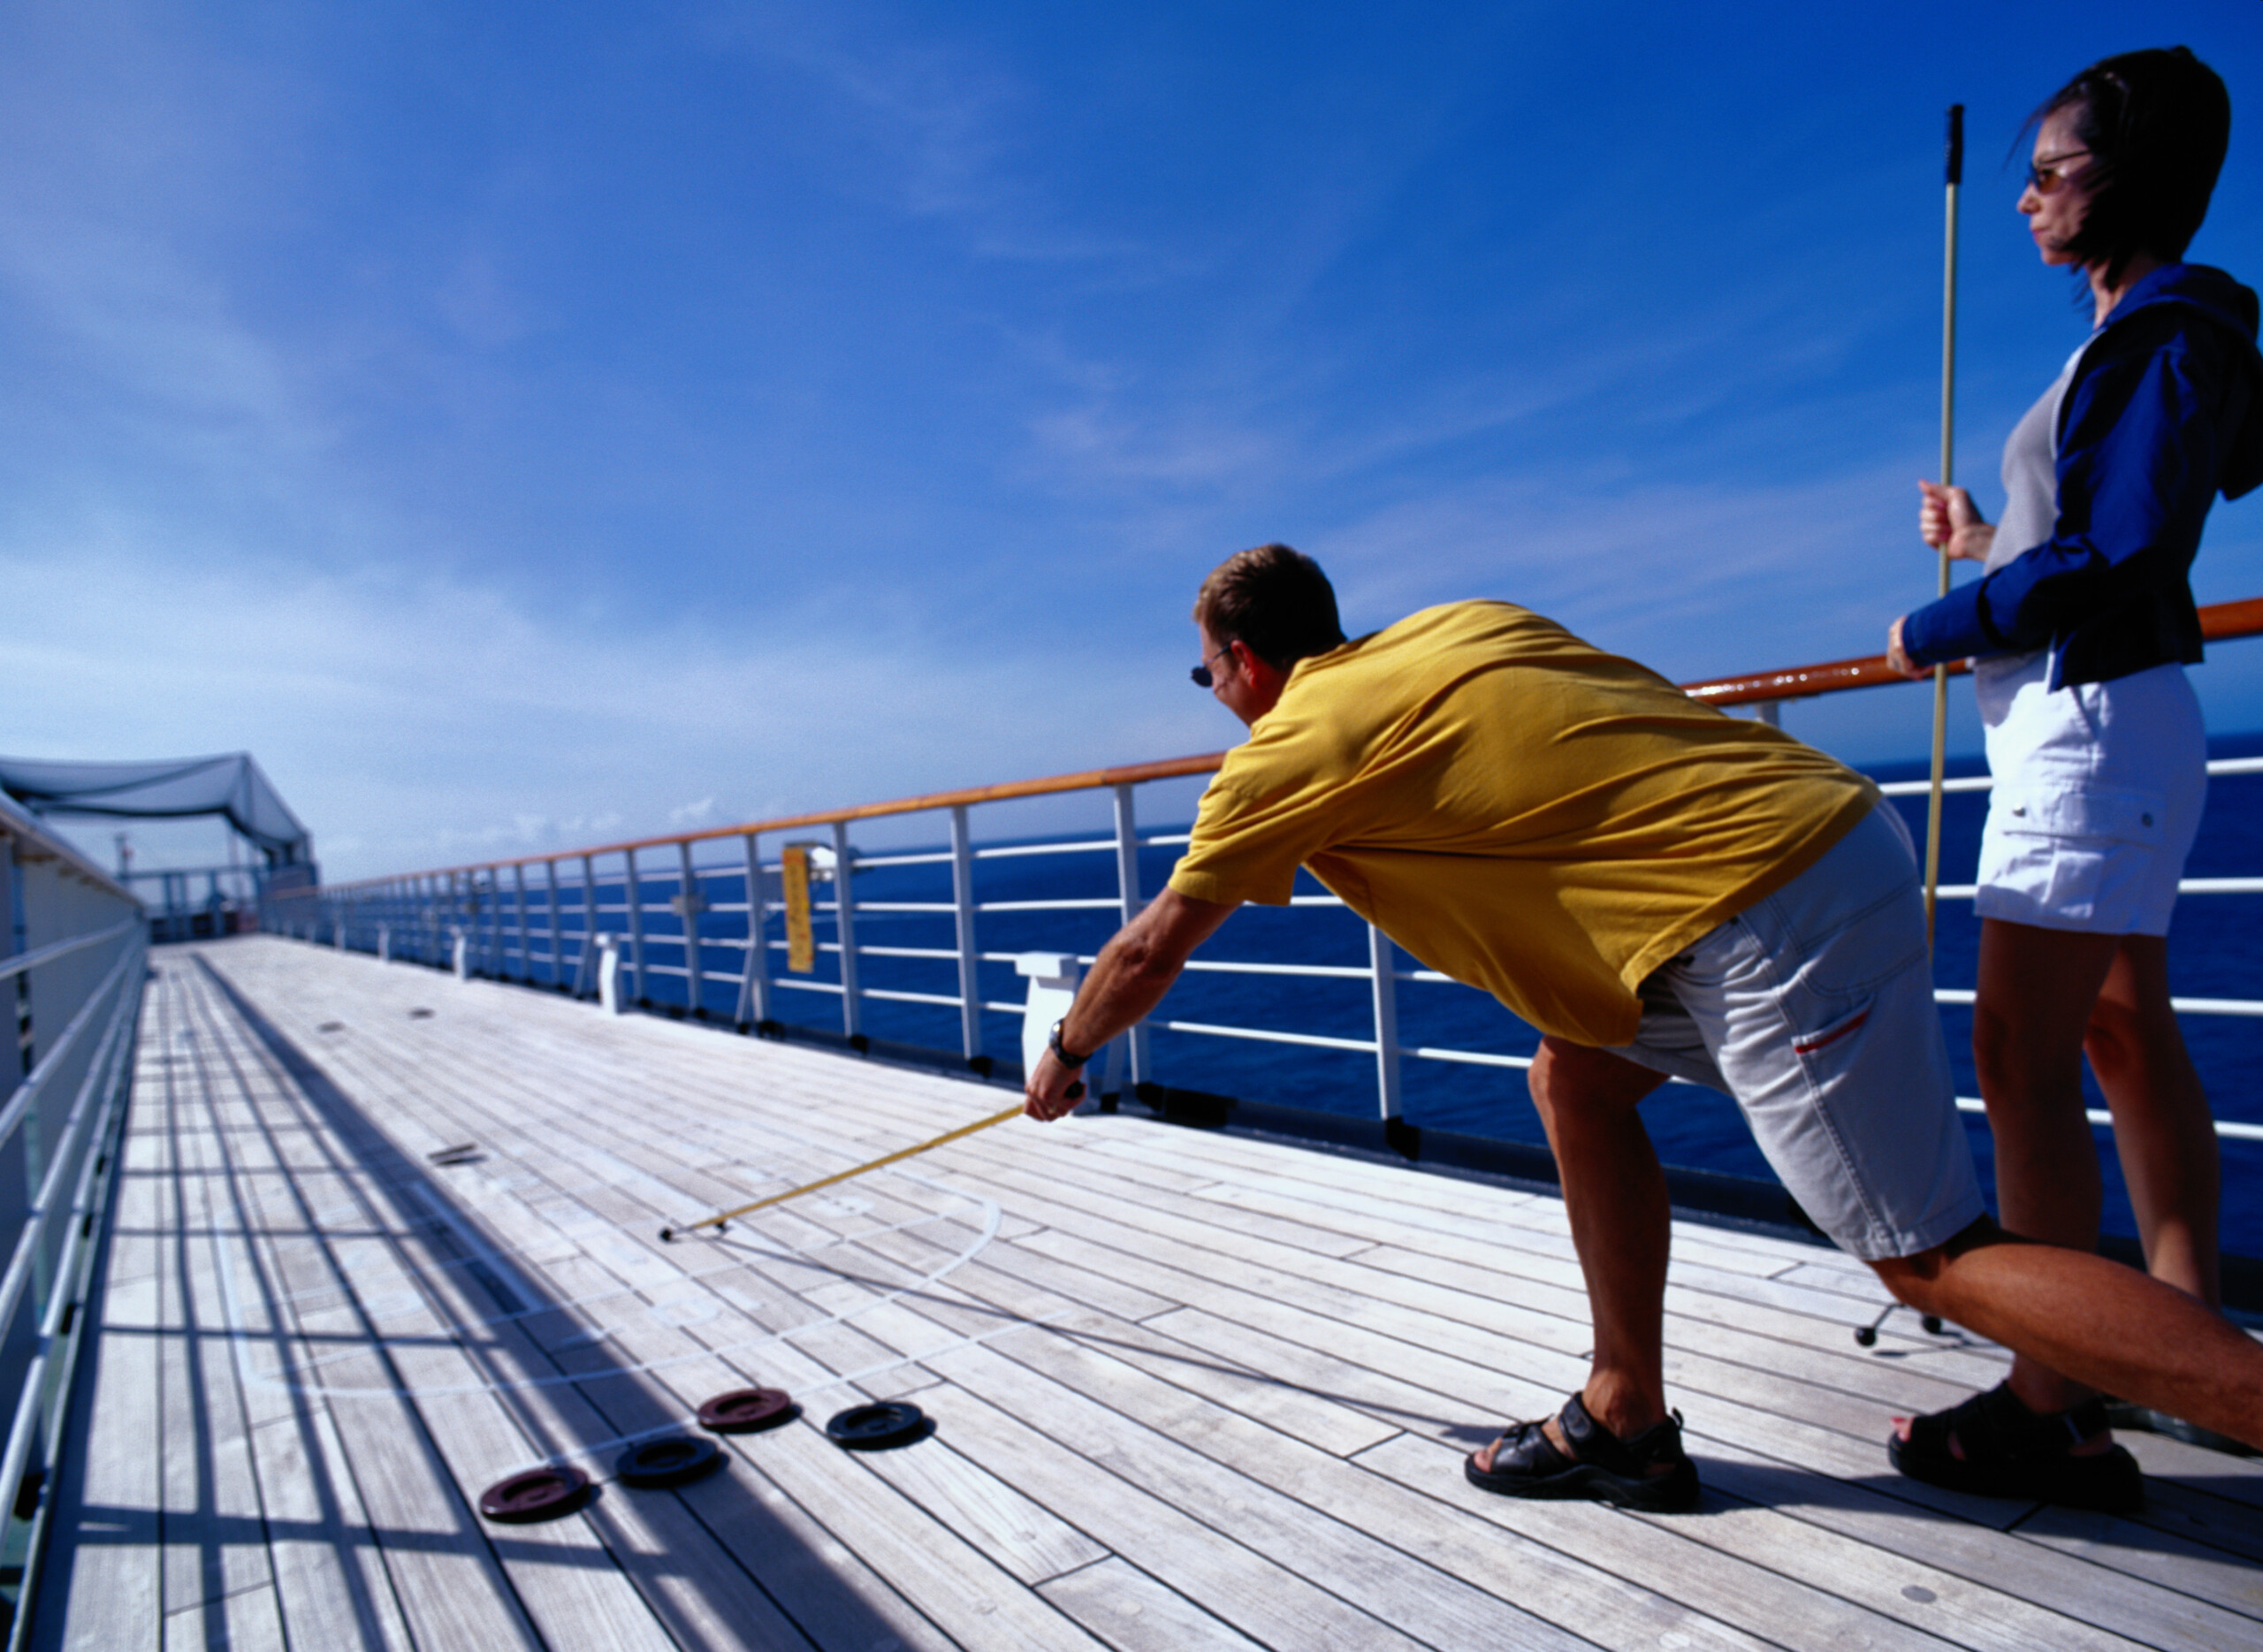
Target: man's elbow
1138,954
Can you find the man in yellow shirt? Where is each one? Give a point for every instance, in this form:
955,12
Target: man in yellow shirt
1663,891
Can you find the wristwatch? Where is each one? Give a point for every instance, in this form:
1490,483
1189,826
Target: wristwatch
1062,1053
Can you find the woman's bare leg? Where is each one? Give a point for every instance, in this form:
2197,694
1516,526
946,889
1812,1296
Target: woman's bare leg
2036,993
2162,1128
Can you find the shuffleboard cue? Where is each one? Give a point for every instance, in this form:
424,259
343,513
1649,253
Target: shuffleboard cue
668,1235
1948,462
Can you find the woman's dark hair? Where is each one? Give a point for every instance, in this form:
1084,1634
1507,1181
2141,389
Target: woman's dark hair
2156,124
1273,598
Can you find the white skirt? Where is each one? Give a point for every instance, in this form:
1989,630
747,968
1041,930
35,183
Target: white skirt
2099,789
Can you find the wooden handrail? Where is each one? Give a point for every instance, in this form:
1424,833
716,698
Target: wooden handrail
2219,622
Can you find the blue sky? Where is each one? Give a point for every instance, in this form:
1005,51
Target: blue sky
527,425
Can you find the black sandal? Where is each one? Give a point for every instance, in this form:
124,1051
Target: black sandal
2010,1451
1606,1469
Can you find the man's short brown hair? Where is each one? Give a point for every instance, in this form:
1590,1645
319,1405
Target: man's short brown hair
1273,598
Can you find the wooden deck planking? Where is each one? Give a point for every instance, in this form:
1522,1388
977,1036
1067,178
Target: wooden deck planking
1190,1389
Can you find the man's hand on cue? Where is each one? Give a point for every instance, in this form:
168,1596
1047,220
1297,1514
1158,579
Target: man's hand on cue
1053,1091
1129,979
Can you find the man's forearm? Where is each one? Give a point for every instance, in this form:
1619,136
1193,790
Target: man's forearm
1129,979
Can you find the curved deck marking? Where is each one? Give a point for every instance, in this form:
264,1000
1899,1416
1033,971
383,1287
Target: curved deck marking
239,1333
409,1297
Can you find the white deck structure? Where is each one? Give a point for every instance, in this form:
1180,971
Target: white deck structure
1192,1390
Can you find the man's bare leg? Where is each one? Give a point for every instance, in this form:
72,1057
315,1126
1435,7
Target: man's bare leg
2099,1323
1614,1194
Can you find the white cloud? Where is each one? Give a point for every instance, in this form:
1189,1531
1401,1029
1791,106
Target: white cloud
420,722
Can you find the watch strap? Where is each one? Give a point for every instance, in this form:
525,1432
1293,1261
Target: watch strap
1062,1053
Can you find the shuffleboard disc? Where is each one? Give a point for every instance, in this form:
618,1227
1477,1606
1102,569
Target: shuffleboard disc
674,1459
878,1427
748,1411
540,1494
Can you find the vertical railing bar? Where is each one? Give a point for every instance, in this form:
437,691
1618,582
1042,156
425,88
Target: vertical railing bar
1127,884
557,929
1383,966
845,932
969,966
754,985
589,925
636,927
688,894
526,947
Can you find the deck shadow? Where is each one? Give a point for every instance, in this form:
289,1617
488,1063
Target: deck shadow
811,1600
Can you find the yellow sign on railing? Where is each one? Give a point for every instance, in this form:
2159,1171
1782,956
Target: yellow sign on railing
801,944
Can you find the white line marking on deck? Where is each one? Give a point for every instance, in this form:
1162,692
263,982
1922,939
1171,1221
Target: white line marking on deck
241,1334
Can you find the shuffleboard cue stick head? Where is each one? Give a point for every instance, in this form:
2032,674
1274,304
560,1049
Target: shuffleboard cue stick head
1955,144
667,1236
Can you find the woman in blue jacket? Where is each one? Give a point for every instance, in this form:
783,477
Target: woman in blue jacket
2079,629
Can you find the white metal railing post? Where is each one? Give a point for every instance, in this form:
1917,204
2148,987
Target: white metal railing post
636,927
557,928
970,962
497,949
1127,884
588,927
845,931
688,904
526,947
609,996
467,923
53,1281
1383,964
754,985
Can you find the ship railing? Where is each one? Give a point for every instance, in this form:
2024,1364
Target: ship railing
647,913
72,950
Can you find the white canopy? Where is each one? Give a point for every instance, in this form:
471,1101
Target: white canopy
229,785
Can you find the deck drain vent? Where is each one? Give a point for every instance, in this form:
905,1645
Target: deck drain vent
878,1427
674,1460
540,1494
748,1411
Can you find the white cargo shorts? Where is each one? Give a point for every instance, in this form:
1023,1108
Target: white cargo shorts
1814,1008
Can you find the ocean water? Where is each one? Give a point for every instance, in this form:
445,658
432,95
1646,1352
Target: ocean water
2216,950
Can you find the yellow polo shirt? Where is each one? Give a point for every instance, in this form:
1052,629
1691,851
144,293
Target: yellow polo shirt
1517,809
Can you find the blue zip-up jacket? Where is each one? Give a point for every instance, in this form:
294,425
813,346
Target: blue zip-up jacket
2164,411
